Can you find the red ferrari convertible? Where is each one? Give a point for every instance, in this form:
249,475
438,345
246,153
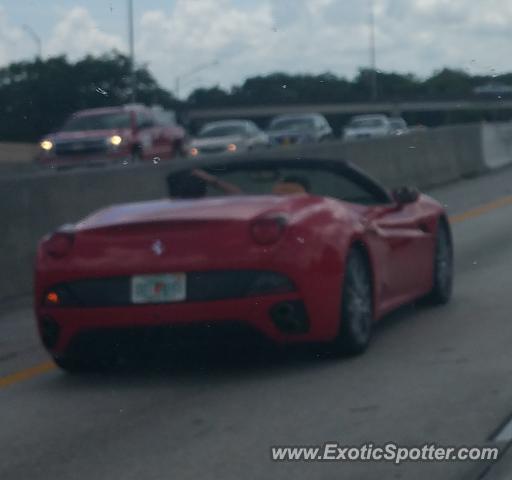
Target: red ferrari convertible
294,250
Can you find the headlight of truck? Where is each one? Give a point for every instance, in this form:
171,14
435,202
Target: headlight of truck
46,145
115,140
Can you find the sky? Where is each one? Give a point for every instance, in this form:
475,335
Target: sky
205,43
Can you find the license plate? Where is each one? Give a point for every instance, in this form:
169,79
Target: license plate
164,288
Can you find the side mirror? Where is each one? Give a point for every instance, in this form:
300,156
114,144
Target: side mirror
404,195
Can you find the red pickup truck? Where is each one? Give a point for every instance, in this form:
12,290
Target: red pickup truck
129,133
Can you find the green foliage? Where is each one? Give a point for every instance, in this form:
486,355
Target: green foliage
36,97
285,89
449,84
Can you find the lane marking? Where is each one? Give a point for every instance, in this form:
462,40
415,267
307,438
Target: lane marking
505,433
26,374
481,210
37,370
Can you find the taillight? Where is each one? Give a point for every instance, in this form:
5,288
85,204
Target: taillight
268,230
58,296
59,244
52,298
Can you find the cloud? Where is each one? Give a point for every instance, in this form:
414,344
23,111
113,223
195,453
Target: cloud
13,40
296,36
251,37
77,33
315,36
202,32
425,35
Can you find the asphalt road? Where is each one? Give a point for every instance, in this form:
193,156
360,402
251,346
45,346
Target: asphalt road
440,375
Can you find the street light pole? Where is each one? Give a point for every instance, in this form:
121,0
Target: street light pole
37,40
133,83
373,53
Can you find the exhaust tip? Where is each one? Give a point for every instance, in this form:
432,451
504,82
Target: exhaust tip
290,317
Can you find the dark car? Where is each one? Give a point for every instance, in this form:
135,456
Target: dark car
114,134
299,129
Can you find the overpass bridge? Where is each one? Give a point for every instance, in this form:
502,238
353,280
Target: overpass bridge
393,108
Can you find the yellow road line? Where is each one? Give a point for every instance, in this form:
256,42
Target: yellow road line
26,374
481,210
36,370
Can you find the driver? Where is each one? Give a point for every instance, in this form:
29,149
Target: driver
290,185
226,187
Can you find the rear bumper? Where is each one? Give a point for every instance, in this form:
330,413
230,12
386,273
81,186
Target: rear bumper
364,136
286,140
282,319
316,272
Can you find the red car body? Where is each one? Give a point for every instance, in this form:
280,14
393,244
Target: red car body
216,237
144,133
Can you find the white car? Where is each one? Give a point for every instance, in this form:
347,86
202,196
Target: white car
228,136
368,126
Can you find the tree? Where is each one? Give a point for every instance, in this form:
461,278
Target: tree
447,83
282,88
208,97
36,97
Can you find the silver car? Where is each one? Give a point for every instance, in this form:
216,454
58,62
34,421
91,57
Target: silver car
228,136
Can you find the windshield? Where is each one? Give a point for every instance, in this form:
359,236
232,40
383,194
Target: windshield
221,131
108,121
292,124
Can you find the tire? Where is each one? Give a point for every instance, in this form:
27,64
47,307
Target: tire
443,266
356,307
179,150
136,156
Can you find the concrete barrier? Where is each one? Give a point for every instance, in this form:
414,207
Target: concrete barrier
497,144
32,205
12,152
424,159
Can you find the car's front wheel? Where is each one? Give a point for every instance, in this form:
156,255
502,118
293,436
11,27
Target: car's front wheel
357,306
136,155
443,266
